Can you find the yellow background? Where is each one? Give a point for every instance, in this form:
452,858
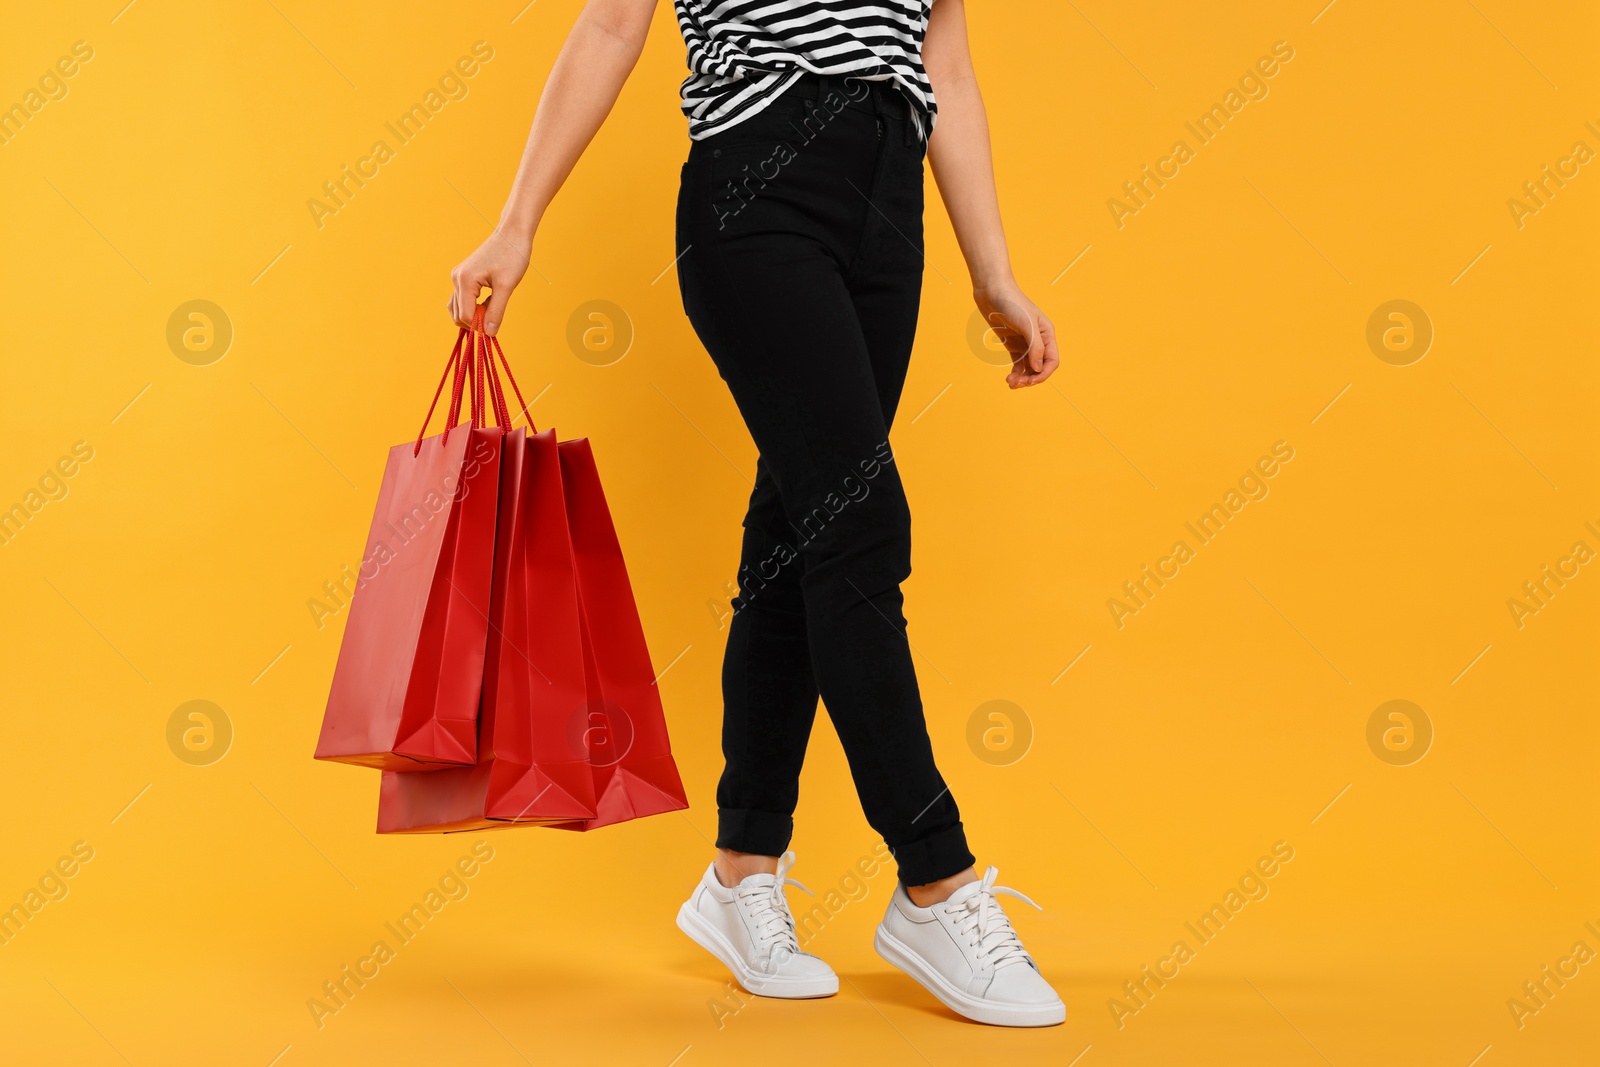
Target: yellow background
1226,716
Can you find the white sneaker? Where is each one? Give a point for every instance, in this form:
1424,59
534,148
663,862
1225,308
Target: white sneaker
964,951
750,929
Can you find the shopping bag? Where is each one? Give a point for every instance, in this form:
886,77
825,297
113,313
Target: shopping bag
621,727
410,669
529,771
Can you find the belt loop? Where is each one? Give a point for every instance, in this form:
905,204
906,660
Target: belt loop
900,110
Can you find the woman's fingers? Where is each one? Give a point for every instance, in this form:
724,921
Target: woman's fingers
495,312
463,302
1029,337
1035,356
1040,358
466,298
497,265
1049,354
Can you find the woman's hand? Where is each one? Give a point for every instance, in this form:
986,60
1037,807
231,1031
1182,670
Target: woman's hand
963,165
604,44
499,263
1027,333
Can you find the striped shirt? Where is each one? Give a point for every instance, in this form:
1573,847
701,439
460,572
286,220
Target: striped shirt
744,53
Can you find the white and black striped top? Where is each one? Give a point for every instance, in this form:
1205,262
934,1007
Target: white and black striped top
744,53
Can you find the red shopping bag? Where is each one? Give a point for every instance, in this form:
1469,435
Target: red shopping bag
410,669
571,732
528,770
622,726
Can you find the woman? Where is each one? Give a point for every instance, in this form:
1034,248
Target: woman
799,226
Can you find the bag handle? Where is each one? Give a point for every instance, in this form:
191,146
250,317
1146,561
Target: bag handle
471,370
491,397
494,343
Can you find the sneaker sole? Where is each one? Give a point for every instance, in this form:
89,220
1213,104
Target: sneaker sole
964,1004
707,937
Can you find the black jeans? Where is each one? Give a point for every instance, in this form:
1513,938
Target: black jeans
800,231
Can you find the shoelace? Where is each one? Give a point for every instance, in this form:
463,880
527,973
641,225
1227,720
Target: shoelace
770,910
983,921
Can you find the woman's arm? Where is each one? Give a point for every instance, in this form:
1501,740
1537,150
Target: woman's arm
964,169
588,75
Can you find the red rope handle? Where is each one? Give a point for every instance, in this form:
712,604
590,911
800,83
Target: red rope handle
455,356
480,414
471,370
496,392
495,342
462,369
497,395
500,395
484,414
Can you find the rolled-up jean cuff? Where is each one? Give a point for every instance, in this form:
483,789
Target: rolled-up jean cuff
931,858
760,833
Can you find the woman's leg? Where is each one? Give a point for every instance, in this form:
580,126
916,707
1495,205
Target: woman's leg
768,690
807,300
889,252
774,241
